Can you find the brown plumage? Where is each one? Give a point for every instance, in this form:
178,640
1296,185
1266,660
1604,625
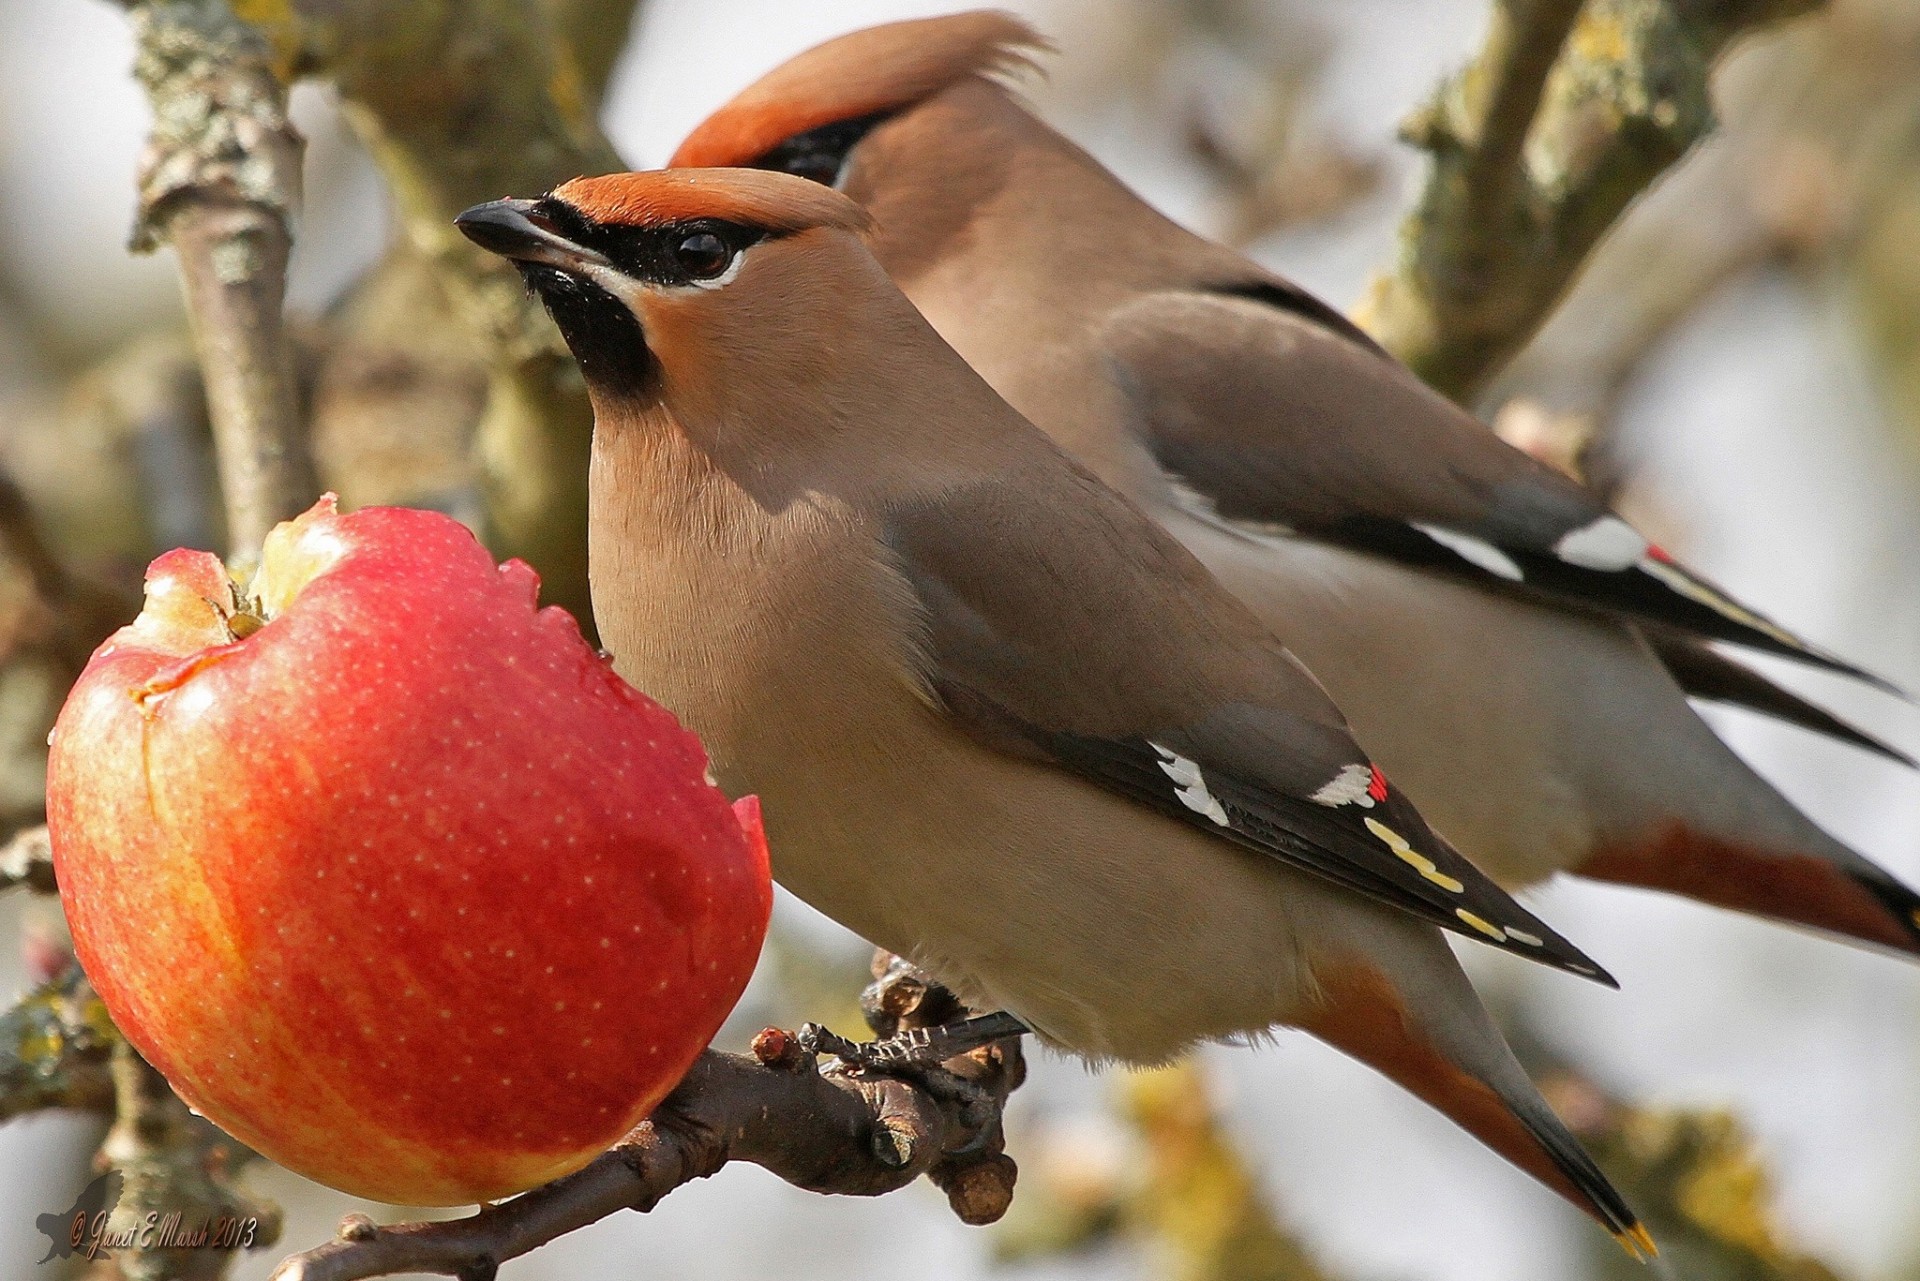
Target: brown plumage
1476,614
999,721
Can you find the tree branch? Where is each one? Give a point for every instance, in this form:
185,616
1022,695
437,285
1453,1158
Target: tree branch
221,181
596,33
50,621
823,1129
465,102
1532,166
1490,109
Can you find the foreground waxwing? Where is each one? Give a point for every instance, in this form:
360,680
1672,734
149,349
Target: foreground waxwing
1516,655
999,721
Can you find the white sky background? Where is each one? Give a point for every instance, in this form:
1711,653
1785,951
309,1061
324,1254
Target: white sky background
1756,428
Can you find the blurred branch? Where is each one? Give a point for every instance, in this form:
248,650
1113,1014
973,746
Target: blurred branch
1695,1177
596,34
823,1129
1861,115
1201,1200
1239,77
50,621
179,1176
119,465
1561,398
1538,146
27,859
27,343
397,390
220,181
54,1048
1177,1180
82,612
1248,70
460,103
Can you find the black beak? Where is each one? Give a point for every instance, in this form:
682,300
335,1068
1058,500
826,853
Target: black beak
516,229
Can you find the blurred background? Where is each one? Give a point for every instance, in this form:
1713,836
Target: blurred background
1740,368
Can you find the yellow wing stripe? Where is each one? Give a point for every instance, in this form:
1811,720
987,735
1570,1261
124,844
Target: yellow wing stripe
1417,861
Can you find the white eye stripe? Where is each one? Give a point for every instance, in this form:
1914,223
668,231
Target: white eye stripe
716,282
618,283
629,290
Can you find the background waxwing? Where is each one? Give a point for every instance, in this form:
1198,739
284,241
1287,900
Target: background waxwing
1000,722
1517,656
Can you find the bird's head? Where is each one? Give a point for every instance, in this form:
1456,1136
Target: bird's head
642,269
813,115
742,303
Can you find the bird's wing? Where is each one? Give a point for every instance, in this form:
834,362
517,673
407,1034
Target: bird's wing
1059,623
1273,417
1707,674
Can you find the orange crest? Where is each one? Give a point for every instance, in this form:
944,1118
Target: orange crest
774,202
861,74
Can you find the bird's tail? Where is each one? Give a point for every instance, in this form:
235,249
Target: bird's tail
1830,889
1708,674
1438,1043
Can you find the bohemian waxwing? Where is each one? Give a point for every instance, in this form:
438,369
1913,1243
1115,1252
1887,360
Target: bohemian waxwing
1000,722
1494,632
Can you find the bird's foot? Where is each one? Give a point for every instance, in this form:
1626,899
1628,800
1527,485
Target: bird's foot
913,1047
922,1055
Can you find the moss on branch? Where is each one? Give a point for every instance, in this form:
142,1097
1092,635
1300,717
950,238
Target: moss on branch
54,1049
1568,113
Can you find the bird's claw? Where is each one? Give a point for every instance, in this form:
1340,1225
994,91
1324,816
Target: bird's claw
912,1047
919,1054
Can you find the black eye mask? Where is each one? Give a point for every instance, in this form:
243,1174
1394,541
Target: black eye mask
681,253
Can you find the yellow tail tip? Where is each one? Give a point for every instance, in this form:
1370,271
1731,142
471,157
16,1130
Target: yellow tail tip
1638,1242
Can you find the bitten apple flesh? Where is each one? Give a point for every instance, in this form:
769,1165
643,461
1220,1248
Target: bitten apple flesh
389,874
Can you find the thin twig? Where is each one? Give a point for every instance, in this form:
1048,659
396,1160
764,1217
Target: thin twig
1530,170
220,181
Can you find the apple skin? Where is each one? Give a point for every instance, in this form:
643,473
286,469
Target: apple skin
405,889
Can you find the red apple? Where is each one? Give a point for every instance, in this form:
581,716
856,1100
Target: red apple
389,874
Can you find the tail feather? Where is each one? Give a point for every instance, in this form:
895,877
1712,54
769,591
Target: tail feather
1859,902
1363,1014
1708,674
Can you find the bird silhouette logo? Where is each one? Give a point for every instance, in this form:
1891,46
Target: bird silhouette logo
70,1232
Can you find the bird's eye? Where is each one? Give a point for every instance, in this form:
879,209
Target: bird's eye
703,255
